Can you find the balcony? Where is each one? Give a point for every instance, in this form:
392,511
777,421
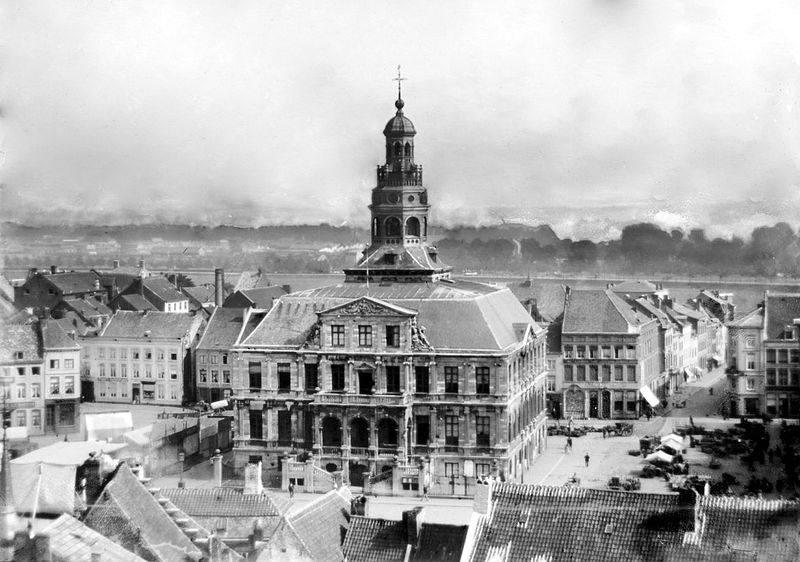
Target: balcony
346,399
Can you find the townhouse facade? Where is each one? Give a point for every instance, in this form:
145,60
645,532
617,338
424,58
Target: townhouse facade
745,360
141,357
781,348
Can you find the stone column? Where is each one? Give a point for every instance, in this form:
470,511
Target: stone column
433,374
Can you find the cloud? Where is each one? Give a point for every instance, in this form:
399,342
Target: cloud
253,113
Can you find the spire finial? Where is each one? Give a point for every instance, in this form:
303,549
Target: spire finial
399,103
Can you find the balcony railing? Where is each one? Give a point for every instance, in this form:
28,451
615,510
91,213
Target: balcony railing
361,399
359,452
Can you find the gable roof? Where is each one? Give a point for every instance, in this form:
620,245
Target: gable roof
753,319
319,524
162,289
263,297
223,502
73,282
457,315
126,509
369,305
134,324
634,287
380,540
55,337
72,540
134,302
223,328
600,311
87,308
202,294
780,310
529,522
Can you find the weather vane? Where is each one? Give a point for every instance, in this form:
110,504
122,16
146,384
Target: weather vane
399,80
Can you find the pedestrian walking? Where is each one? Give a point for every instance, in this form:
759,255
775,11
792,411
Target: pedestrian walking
566,448
569,443
425,493
586,458
291,489
691,421
604,433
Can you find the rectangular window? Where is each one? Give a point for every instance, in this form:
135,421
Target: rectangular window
451,379
631,373
215,376
173,356
36,371
592,352
751,361
148,355
101,352
337,377
203,375
113,369
483,469
123,353
771,377
581,372
162,372
112,353
123,371
593,373
254,370
606,373
136,371
794,356
226,376
568,352
605,352
337,335
54,385
69,363
551,384
568,373
54,363
36,390
173,374
36,418
451,469
630,351
21,390
751,383
392,336
617,352
771,356
284,428
312,377
631,400
173,392
783,356
284,377
136,355
201,358
66,414
21,371
22,418
69,385
783,377
422,376
162,356
256,424
482,425
365,336
618,373
160,389
451,431
482,380
551,364
392,379
423,430
581,351
214,359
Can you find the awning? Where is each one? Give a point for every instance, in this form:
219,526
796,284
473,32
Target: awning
672,437
108,425
717,358
219,404
659,457
648,395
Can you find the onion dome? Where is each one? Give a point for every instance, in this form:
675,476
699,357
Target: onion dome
399,125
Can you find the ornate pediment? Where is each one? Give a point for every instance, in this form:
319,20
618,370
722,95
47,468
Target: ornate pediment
366,306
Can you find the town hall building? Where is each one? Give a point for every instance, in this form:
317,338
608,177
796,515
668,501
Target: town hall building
398,368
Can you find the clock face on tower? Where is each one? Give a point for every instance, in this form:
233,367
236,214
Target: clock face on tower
393,198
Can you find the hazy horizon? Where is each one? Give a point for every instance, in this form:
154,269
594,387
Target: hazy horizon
585,116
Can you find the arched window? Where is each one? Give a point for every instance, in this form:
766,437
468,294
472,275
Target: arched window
424,226
359,433
412,226
398,149
408,149
376,227
393,227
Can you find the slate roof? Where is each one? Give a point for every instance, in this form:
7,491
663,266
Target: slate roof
764,529
753,319
549,296
223,502
73,282
319,524
600,311
126,510
634,287
88,308
223,328
71,321
557,524
780,310
689,312
652,310
379,540
161,288
133,324
263,297
136,302
71,540
20,337
456,315
55,337
202,294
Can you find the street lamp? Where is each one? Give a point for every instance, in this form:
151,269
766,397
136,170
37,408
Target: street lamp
181,458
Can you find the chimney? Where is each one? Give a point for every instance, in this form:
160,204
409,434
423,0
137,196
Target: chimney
412,521
97,284
94,482
115,264
53,269
482,502
219,283
216,460
287,288
252,479
141,264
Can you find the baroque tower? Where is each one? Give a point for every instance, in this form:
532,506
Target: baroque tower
399,250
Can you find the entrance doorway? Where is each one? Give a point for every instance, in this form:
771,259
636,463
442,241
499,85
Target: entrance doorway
606,404
593,405
136,394
365,382
50,418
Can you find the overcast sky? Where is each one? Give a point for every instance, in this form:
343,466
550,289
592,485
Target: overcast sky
271,112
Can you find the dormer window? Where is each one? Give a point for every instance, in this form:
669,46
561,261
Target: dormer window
19,355
390,259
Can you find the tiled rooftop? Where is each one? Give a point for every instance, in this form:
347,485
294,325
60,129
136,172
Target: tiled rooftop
380,540
55,337
223,502
135,301
780,311
600,311
320,524
73,282
15,338
130,324
71,540
223,329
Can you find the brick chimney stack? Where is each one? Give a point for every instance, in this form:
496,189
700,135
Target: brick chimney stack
219,283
